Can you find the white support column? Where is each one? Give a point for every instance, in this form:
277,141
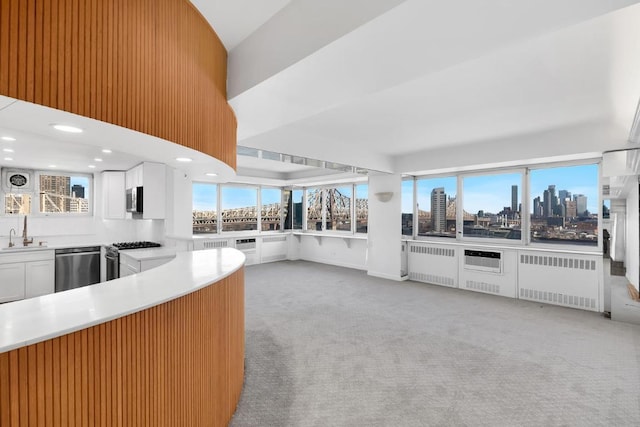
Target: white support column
384,239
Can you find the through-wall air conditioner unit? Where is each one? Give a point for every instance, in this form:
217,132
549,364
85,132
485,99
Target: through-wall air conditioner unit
14,180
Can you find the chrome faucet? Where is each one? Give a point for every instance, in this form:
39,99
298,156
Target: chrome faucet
11,244
25,239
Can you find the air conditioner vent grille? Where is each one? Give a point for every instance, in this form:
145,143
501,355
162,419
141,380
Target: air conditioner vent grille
432,278
558,262
558,298
430,250
274,239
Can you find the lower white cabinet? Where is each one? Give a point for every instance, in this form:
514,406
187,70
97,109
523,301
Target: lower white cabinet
39,278
26,275
12,281
131,265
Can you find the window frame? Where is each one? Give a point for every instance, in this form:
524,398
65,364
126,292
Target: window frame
525,200
213,233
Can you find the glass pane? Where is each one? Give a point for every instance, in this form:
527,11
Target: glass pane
314,209
565,205
17,204
437,207
407,207
205,212
271,210
64,194
338,203
362,208
296,207
239,208
492,206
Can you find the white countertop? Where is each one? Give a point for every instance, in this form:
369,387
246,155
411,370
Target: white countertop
149,253
34,320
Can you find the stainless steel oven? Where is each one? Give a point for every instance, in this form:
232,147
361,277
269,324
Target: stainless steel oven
113,262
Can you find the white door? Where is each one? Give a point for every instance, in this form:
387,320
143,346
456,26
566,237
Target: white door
11,281
40,278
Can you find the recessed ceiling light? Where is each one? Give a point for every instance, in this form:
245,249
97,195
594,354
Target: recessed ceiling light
92,166
52,166
183,159
8,138
106,150
211,174
97,159
8,159
66,128
7,150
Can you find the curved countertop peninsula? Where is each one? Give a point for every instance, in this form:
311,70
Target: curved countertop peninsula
164,347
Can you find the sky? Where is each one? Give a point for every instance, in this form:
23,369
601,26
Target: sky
492,193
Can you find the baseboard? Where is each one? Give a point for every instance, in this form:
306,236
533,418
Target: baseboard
336,263
397,278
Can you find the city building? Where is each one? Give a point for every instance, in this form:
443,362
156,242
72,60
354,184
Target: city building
514,198
438,210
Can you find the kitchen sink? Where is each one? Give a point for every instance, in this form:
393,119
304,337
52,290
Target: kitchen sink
24,248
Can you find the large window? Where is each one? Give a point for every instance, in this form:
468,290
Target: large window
564,206
239,207
293,218
314,209
437,206
492,206
54,193
338,208
271,209
362,208
407,207
205,212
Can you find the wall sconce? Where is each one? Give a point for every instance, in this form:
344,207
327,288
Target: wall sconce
384,196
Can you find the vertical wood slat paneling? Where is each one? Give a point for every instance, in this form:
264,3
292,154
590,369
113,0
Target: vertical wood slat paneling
178,363
154,66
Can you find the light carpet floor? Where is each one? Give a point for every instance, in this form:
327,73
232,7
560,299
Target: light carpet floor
330,346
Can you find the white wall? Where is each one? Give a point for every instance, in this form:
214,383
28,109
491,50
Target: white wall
332,250
632,238
384,234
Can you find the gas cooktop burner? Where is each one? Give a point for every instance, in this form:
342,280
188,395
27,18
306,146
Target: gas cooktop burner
136,245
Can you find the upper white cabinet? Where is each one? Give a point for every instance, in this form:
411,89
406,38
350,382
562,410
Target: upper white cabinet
113,195
152,177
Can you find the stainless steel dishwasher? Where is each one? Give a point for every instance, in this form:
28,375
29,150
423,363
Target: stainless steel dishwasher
76,267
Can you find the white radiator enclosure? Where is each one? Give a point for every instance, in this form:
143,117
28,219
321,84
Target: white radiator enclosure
570,279
274,248
433,264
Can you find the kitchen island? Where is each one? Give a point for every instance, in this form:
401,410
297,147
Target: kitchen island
163,347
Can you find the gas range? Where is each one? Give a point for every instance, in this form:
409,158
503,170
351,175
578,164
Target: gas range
136,245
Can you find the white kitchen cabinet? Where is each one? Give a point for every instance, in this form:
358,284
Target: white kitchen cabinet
39,278
113,195
152,177
26,274
137,263
12,281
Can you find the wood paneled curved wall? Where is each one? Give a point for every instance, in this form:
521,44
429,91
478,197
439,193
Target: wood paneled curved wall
178,363
154,66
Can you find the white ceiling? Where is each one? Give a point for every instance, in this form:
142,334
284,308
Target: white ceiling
414,86
404,86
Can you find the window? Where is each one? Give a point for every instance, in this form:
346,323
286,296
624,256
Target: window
492,206
64,193
407,207
565,202
205,212
338,208
437,206
362,208
314,209
293,217
271,209
17,203
239,207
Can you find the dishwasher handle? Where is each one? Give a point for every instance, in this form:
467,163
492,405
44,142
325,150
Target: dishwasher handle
71,251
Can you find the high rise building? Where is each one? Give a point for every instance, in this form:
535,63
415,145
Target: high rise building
537,207
581,203
546,203
77,191
54,193
553,199
514,199
571,211
438,210
564,195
